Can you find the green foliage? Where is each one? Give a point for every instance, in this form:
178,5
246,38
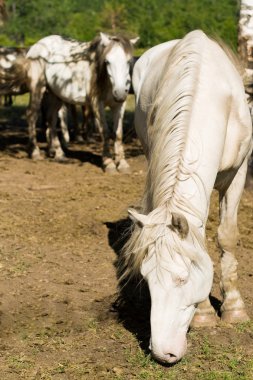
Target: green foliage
154,21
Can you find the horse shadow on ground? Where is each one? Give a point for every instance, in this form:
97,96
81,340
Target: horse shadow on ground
132,304
14,138
133,301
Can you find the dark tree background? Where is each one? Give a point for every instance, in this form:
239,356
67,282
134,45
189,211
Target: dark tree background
154,21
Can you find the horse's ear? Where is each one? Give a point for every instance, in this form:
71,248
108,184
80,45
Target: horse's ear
137,218
105,39
134,40
180,225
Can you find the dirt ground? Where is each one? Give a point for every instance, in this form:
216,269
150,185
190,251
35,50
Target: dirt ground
60,316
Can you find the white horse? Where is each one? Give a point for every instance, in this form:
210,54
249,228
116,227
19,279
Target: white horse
96,72
8,57
194,124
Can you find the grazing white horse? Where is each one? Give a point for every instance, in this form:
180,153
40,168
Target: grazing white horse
194,123
96,72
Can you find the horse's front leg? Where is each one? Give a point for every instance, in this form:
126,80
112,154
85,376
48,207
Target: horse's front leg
63,117
100,120
32,112
233,308
118,114
205,315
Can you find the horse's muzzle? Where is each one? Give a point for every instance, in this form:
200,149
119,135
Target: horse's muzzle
120,96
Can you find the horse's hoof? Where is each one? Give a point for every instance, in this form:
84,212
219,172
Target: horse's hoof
79,139
35,155
110,168
204,320
56,155
61,159
123,167
234,316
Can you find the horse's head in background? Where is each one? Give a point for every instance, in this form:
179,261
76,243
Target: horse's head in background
113,58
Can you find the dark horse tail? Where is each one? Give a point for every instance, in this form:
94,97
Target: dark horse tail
14,79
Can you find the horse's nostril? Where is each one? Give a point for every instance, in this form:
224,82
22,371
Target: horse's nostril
171,358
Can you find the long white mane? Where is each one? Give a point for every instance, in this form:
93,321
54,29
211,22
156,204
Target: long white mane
171,113
167,131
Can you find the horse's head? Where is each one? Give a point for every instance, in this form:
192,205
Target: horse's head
179,274
117,57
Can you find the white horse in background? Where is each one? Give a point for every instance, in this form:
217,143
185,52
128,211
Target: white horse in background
194,124
95,72
8,57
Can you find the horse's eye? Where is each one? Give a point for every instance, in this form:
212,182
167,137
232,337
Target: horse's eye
106,62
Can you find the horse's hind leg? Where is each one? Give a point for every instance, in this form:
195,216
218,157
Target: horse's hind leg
63,117
54,145
205,315
232,309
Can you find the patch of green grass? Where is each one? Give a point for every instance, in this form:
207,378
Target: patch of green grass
21,100
19,363
206,348
92,324
20,268
139,358
148,368
60,368
223,375
245,327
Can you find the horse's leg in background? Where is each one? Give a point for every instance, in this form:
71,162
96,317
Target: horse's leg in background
8,100
37,87
32,112
205,315
87,118
118,114
77,128
100,120
54,145
63,116
233,308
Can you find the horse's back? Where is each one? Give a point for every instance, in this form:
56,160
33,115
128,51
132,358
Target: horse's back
55,48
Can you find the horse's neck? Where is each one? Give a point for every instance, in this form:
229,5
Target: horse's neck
189,197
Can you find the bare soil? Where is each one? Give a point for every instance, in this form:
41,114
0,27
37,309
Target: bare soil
61,228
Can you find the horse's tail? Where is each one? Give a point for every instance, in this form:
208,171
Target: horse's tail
14,79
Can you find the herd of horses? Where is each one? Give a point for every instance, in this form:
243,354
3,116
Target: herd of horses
95,74
194,124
